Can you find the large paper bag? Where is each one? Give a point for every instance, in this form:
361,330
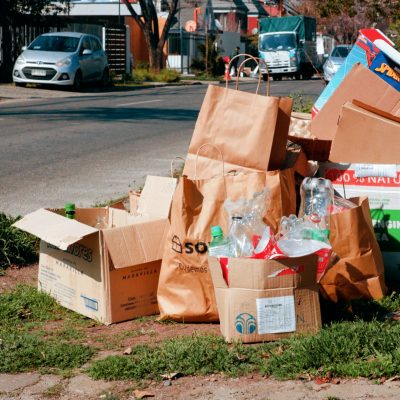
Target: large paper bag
249,129
359,271
185,291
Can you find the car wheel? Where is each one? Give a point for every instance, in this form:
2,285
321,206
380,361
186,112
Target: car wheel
78,81
20,84
265,77
105,78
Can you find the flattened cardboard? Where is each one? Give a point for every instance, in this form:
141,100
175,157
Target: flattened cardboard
361,84
110,275
253,284
156,196
365,137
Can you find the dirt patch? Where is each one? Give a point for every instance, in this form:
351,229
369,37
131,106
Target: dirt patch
15,275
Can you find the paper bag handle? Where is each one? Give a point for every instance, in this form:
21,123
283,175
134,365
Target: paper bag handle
257,61
197,158
172,165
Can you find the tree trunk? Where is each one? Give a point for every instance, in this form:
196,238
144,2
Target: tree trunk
7,65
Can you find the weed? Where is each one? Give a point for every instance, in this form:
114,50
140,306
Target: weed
301,103
21,352
108,396
16,247
53,391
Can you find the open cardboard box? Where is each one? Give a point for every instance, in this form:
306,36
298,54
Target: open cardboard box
360,84
266,300
109,274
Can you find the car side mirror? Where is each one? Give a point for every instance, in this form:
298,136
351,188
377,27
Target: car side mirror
24,48
87,52
326,55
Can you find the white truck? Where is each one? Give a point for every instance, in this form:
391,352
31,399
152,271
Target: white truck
288,45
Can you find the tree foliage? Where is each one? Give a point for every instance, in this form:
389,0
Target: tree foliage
149,24
14,13
344,18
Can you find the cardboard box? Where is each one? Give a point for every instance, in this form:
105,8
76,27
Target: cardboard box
111,274
381,183
360,84
266,299
363,136
364,52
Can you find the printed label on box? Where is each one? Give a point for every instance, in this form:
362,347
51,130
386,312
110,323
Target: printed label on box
276,315
380,170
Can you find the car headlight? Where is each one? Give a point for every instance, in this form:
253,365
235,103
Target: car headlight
20,60
330,64
293,61
64,62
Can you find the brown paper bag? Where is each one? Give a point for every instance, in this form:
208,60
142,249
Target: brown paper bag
185,291
249,129
359,271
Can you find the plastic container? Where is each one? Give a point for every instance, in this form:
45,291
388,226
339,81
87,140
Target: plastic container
241,243
316,201
220,246
70,210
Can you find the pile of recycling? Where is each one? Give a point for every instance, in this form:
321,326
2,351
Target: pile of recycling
273,210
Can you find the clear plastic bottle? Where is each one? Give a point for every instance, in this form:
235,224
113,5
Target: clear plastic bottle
316,202
220,246
238,235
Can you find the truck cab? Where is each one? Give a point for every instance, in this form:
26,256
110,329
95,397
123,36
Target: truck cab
288,47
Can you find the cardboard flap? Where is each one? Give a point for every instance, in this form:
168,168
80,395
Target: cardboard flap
53,228
156,197
363,136
216,273
365,86
136,244
272,274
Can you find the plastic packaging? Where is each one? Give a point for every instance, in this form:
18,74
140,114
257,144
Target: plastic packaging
241,243
70,210
340,205
316,202
246,223
220,246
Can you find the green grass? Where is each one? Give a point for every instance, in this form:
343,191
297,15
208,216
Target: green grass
25,344
16,247
192,355
23,351
141,75
25,304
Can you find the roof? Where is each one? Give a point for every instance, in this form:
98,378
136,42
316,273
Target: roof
69,34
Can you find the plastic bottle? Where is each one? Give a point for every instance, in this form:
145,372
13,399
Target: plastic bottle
316,203
70,210
241,242
220,246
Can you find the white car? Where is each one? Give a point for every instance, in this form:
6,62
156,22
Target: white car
335,60
62,58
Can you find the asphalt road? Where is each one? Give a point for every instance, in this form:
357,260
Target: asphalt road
57,146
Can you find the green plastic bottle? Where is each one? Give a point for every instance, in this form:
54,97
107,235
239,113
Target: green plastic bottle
220,246
70,210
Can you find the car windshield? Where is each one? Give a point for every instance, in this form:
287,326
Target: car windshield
341,52
55,43
279,41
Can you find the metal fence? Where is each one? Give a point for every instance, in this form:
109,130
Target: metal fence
183,49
